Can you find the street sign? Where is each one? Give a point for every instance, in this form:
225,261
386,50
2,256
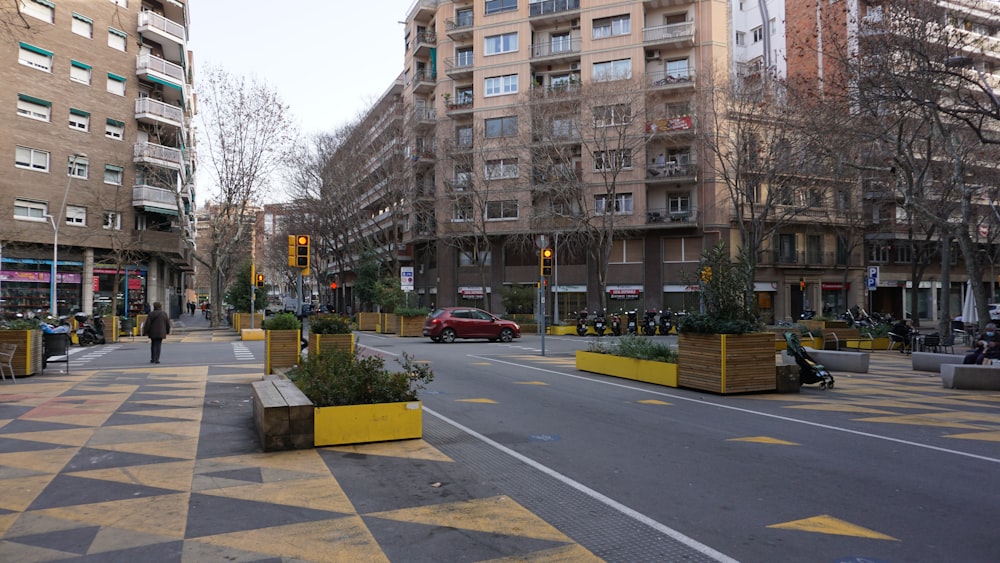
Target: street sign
406,278
873,273
871,283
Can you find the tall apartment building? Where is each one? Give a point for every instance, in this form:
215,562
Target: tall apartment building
97,101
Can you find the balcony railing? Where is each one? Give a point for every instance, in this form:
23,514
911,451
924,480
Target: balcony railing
460,24
557,91
671,171
801,259
458,65
553,7
668,33
673,79
687,214
144,64
556,48
152,196
164,26
158,109
158,153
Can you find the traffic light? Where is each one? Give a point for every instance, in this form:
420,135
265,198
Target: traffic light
260,280
546,262
333,286
706,274
802,284
291,251
302,251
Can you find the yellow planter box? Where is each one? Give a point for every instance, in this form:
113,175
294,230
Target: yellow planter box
318,343
252,334
411,326
28,355
660,373
357,424
368,321
388,323
281,349
880,343
726,363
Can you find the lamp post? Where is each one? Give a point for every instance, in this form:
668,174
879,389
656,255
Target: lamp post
55,221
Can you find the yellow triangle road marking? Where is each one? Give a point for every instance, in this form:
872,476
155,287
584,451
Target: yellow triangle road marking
985,436
653,402
826,524
487,401
481,364
763,440
530,383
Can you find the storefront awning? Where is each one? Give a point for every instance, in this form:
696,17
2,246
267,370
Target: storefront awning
161,210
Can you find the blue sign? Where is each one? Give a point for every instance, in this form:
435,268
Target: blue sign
871,283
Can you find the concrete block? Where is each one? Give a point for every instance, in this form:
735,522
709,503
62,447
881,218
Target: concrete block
932,361
840,360
961,376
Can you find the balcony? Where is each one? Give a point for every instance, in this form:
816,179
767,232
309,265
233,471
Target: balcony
557,50
423,43
154,200
459,183
460,106
423,81
672,35
424,117
808,259
158,155
671,172
670,125
155,69
459,146
554,10
460,29
162,30
557,92
155,112
673,80
682,217
458,68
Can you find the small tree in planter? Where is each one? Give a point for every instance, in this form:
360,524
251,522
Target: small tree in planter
330,331
358,400
282,337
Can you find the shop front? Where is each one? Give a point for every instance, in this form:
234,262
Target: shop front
25,287
128,284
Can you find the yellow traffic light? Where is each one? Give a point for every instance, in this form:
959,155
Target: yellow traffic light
260,280
302,252
546,262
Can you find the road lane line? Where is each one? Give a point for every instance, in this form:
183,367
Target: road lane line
607,501
758,413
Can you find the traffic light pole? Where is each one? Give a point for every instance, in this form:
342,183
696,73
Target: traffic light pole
541,301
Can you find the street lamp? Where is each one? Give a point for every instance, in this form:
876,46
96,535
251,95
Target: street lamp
55,221
965,61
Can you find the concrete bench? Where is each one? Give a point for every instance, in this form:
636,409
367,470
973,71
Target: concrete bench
839,337
961,376
932,361
282,415
835,360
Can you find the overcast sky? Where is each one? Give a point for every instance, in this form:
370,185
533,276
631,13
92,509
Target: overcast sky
328,59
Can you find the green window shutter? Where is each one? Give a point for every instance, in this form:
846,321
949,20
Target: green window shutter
83,18
75,111
34,100
117,32
34,49
116,122
78,64
114,76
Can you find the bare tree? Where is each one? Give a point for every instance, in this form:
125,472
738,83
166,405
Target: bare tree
248,133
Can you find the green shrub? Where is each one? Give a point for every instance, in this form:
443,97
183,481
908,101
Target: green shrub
340,377
880,330
638,347
20,324
282,321
413,311
329,324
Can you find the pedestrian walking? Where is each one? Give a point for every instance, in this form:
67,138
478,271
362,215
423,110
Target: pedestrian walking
156,327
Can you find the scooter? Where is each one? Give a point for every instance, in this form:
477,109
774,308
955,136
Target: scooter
600,325
649,323
581,323
665,321
632,325
88,333
616,324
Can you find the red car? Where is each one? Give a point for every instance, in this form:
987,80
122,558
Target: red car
445,325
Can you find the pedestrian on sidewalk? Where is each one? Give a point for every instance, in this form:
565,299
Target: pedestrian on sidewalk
156,327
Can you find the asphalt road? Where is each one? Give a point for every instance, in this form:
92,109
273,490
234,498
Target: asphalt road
885,467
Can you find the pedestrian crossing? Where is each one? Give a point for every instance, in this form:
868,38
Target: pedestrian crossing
82,356
241,352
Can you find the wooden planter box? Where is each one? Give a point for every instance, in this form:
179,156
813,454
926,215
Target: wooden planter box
356,424
319,343
660,373
411,326
388,323
28,356
367,321
242,321
726,363
282,349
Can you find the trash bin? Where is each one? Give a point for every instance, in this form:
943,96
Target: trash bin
55,349
127,324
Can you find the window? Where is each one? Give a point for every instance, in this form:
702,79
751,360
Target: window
472,258
79,72
34,159
30,210
112,220
506,209
678,203
610,160
498,6
34,108
504,43
41,9
501,127
561,43
114,129
82,25
463,211
879,252
613,70
500,85
35,57
678,69
622,203
117,39
607,116
76,215
463,18
758,34
501,168
113,174
563,127
116,84
78,167
79,119
741,38
463,137
608,27
464,57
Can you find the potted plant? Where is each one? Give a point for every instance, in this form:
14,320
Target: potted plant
330,331
411,320
631,357
722,349
357,400
27,336
282,338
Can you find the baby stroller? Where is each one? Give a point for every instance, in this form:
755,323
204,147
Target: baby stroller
809,371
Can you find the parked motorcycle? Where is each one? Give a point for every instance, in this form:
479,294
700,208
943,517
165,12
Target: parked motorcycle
632,324
666,322
649,323
600,324
616,324
581,323
807,314
87,332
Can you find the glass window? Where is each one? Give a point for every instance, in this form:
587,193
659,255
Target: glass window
76,215
622,203
500,85
114,130
613,70
82,25
561,43
464,57
498,6
608,27
112,220
613,159
504,43
32,56
501,127
506,209
32,210
741,38
463,18
116,84
79,72
34,159
117,39
758,34
608,116
112,175
79,120
78,167
501,168
34,108
678,203
44,11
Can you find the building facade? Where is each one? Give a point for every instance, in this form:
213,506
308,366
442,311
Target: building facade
98,99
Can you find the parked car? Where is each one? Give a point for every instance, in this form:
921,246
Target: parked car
449,323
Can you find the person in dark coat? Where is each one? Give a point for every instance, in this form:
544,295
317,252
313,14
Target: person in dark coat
156,327
987,347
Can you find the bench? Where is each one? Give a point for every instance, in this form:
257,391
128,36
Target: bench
962,376
282,415
932,361
840,337
841,360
